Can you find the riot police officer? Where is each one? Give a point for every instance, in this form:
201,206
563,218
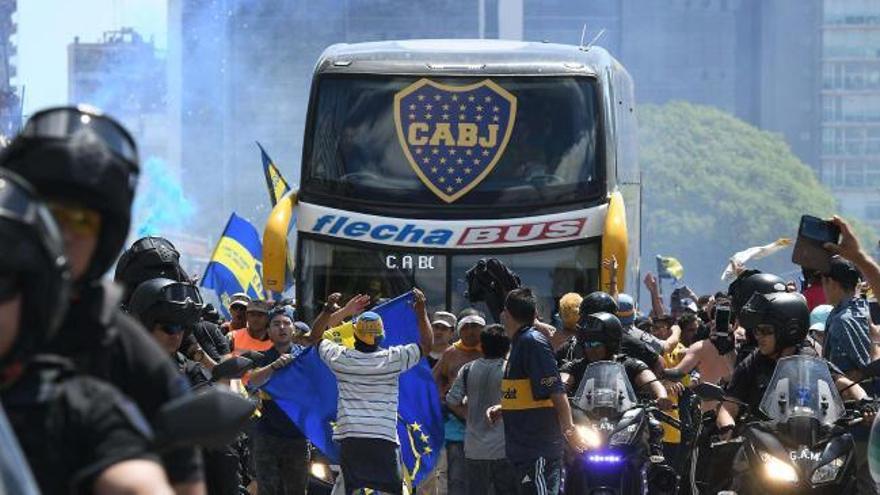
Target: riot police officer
169,309
156,257
86,165
79,434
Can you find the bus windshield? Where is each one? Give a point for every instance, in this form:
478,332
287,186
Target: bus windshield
360,143
385,272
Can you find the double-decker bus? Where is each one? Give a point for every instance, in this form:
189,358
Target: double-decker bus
422,157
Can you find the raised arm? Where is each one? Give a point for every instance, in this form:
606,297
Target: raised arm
851,249
426,333
612,266
657,308
332,315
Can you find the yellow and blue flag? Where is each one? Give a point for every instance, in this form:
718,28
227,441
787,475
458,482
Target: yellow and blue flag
307,392
669,267
236,264
274,180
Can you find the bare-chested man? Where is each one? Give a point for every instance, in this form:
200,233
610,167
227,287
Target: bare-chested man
462,351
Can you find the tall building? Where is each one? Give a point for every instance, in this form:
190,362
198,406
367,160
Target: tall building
850,99
10,96
124,76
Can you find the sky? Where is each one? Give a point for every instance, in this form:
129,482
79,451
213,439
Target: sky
46,27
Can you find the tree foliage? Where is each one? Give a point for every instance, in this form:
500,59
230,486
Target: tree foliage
714,185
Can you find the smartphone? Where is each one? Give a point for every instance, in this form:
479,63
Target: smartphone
722,319
809,252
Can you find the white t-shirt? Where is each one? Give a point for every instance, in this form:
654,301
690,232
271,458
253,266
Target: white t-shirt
368,388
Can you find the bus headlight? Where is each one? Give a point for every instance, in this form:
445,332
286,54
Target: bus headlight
778,470
589,435
828,472
321,471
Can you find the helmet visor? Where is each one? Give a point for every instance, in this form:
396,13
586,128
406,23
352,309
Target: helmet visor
182,293
71,122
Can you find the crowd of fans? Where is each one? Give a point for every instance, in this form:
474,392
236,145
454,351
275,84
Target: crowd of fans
89,373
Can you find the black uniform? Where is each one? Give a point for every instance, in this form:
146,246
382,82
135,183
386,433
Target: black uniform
106,343
211,340
629,345
633,368
50,407
222,469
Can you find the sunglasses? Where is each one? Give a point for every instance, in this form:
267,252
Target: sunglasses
172,328
593,344
82,221
9,286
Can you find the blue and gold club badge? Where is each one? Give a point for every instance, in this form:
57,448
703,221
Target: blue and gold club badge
453,135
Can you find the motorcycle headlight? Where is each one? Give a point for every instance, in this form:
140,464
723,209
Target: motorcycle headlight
828,472
589,435
624,436
778,470
321,471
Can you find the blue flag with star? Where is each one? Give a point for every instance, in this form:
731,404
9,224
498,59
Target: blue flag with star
307,392
453,136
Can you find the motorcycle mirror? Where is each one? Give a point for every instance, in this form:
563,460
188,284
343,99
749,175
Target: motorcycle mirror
708,391
211,419
233,367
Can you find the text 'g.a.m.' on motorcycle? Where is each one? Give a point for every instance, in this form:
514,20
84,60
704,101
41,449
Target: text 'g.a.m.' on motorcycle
800,440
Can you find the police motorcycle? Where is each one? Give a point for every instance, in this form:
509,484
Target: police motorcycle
615,427
800,443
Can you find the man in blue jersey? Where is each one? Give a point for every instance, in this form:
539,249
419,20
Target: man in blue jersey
537,417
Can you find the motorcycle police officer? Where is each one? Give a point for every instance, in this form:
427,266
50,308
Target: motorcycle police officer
79,434
779,322
86,165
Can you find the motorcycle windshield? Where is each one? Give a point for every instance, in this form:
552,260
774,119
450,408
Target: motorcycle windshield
802,387
606,386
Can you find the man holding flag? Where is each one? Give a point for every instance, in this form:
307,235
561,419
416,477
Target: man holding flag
367,407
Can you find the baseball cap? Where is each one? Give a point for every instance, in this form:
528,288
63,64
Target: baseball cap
843,271
301,328
258,306
626,310
368,328
239,298
444,318
471,319
818,317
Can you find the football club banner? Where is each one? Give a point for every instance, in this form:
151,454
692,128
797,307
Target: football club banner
669,267
274,180
307,392
236,263
453,136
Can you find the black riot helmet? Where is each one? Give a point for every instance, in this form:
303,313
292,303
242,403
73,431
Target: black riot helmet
166,301
787,312
80,156
752,282
148,258
32,266
601,327
598,302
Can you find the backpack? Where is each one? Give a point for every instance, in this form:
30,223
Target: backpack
490,281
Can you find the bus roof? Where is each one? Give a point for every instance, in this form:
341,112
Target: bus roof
464,57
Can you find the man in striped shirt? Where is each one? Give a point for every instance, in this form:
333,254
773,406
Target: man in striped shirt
367,376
